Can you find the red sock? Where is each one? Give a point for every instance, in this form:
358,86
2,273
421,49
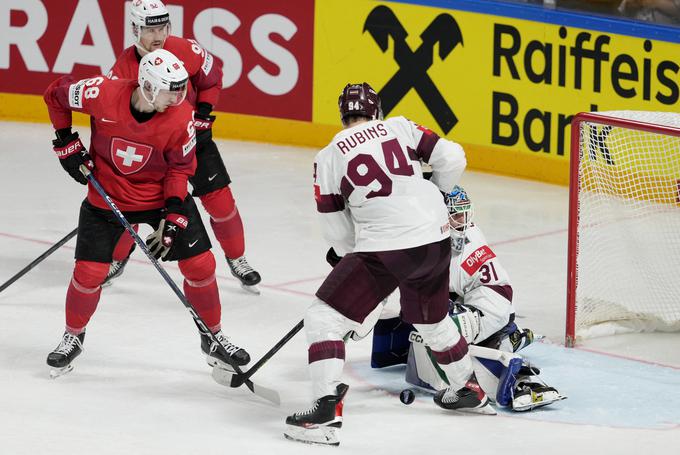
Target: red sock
83,294
124,245
200,287
225,221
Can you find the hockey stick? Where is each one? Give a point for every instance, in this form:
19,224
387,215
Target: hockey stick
39,259
267,394
227,378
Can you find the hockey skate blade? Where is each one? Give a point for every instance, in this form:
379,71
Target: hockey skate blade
58,372
251,289
327,436
530,402
227,378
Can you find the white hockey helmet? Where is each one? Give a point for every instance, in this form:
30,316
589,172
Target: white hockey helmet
147,13
161,74
460,216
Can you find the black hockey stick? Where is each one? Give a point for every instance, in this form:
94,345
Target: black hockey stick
267,394
39,259
235,380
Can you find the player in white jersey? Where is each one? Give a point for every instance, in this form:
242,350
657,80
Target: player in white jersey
482,308
391,226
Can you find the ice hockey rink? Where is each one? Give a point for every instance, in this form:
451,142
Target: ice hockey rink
142,385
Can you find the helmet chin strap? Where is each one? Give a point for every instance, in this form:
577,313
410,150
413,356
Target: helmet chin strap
149,101
138,38
142,50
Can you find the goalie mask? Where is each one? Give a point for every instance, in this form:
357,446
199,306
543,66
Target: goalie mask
162,79
359,100
460,216
150,24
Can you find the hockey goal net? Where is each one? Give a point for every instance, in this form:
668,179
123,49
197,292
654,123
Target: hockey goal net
624,224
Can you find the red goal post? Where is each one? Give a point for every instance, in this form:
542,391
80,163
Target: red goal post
623,265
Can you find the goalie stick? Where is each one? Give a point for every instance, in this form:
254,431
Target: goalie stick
267,394
39,259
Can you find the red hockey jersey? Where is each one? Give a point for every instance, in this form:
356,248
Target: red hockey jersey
205,72
139,165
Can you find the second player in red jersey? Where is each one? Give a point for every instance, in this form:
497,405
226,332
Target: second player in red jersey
143,153
150,23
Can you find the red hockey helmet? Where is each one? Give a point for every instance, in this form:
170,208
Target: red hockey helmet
359,100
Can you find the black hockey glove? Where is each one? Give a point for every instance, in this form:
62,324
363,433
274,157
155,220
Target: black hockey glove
203,122
72,154
161,241
332,257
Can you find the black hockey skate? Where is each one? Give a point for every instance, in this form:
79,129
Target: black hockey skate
214,357
246,275
531,395
470,399
60,360
321,423
115,270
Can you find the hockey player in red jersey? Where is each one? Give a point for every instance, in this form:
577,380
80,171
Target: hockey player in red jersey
151,27
142,152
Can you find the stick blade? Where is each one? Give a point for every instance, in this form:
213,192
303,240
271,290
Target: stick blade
228,378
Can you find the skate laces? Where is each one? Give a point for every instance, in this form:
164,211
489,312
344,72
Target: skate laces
68,343
228,346
115,266
450,396
240,266
309,411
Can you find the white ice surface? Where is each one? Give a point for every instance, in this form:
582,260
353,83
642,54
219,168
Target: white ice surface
142,386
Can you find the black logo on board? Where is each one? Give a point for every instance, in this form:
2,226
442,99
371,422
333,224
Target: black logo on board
443,31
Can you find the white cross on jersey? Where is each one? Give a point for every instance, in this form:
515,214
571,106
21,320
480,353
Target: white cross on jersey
129,156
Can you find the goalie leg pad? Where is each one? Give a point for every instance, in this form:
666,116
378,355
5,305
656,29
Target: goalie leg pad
421,368
449,350
390,342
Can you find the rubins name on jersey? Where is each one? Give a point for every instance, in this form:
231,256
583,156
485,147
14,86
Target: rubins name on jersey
348,143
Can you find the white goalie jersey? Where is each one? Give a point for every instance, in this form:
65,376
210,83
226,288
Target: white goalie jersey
369,186
479,279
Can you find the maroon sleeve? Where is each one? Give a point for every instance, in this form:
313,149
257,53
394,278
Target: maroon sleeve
180,155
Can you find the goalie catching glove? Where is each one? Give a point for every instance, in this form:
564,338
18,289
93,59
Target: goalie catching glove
161,241
72,154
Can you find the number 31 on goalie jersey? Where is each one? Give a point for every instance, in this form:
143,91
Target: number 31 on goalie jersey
364,170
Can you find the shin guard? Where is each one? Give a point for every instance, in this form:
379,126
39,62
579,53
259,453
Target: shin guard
225,221
200,287
83,294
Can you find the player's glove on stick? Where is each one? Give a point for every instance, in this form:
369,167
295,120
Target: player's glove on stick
161,241
72,154
203,121
332,257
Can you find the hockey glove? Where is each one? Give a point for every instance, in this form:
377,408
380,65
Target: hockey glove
72,154
161,241
203,121
332,257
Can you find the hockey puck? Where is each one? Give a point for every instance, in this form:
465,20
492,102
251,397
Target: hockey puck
407,396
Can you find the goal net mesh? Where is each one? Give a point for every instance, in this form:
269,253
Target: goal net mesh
628,253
